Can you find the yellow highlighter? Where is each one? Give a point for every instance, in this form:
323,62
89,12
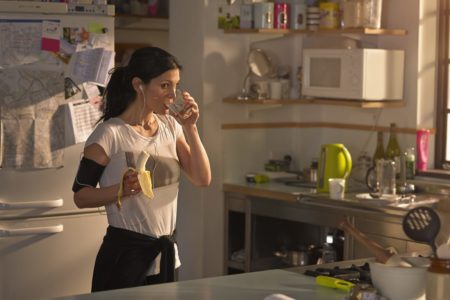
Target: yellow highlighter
335,283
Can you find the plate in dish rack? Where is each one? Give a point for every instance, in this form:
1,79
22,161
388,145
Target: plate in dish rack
367,196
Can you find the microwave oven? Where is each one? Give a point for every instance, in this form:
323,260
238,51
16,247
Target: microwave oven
364,74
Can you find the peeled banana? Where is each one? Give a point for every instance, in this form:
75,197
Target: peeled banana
144,178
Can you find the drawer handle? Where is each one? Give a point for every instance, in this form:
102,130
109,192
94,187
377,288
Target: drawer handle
31,204
31,230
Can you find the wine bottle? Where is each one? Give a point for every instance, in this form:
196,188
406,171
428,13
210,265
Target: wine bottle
379,150
393,151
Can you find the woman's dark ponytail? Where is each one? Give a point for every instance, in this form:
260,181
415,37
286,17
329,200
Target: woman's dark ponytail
119,93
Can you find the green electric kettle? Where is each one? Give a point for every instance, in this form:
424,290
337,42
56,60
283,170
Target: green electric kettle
334,162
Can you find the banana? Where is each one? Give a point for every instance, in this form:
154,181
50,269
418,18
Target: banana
144,178
144,175
142,161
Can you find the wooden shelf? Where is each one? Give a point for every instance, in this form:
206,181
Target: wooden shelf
363,127
338,102
366,31
143,23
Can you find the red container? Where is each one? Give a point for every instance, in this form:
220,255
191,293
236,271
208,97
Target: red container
281,16
422,137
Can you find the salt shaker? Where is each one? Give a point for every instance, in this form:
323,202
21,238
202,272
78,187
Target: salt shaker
438,279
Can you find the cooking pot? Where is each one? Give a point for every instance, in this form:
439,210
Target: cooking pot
302,257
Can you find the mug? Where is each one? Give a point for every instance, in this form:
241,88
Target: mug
385,177
276,89
337,188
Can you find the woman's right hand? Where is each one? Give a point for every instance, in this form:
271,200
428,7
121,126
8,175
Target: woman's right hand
131,184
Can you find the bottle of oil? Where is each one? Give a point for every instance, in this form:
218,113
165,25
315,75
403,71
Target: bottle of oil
379,150
393,151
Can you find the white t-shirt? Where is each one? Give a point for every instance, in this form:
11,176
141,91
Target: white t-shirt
154,217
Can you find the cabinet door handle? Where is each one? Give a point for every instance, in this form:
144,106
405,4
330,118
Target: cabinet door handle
31,204
31,230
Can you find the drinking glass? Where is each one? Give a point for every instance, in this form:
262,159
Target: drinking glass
386,177
178,106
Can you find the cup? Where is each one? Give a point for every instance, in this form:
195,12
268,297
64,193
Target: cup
178,106
337,188
276,89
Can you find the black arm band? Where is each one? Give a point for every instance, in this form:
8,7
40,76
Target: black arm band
89,173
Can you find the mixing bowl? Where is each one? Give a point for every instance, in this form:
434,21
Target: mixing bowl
398,283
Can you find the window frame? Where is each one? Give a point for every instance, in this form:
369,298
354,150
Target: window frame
443,65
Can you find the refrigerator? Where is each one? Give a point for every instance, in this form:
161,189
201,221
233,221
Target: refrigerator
47,244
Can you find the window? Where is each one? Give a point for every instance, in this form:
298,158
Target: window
442,156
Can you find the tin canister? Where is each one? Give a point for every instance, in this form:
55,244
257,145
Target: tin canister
263,15
246,16
329,15
281,16
298,16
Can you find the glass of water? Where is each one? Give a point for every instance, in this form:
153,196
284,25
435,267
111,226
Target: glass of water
178,107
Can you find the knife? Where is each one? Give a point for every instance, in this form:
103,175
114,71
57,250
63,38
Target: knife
129,157
335,283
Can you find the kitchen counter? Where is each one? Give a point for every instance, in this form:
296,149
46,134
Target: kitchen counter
263,218
256,285
354,199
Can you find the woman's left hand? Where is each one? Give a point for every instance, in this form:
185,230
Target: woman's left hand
190,114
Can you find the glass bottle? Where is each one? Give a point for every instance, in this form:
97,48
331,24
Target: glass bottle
393,151
379,150
410,163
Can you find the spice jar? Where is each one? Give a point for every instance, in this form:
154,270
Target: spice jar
438,279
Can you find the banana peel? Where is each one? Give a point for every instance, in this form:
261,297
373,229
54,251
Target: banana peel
144,177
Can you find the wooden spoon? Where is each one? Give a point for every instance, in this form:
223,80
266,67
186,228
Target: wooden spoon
376,249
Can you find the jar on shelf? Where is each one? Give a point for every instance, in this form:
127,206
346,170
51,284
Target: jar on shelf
438,279
329,15
372,13
352,14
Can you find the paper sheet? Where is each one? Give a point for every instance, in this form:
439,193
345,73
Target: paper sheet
91,65
83,116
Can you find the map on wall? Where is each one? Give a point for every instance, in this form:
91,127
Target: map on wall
21,45
31,94
32,118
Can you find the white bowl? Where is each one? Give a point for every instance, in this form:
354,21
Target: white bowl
398,283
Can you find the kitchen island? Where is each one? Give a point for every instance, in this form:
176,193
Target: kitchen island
249,286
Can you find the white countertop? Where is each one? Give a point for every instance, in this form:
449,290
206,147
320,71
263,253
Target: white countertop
252,286
256,285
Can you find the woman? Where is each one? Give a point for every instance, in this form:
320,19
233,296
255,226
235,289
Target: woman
138,247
